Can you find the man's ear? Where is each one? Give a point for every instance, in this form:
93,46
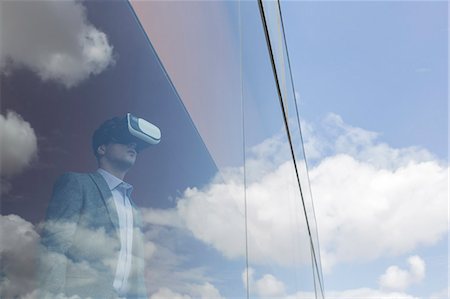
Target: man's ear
101,150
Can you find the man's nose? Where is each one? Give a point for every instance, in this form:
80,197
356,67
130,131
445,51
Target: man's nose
132,145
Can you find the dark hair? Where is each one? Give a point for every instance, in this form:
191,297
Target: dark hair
107,132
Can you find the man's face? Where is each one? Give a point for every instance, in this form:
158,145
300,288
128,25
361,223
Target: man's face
121,155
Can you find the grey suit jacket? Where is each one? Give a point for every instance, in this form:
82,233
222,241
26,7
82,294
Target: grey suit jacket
80,241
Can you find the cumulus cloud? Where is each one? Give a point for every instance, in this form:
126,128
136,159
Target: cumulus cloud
18,144
399,279
360,293
205,291
314,144
269,286
374,200
54,39
201,291
165,293
19,251
364,212
26,264
371,200
265,287
39,295
149,250
169,266
333,136
442,294
215,215
18,247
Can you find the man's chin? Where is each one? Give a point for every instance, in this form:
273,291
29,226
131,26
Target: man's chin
130,163
126,164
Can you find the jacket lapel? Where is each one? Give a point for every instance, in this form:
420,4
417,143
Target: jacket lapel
107,198
137,222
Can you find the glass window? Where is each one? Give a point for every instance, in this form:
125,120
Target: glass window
211,211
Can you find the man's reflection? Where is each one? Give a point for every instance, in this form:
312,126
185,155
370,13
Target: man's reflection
92,241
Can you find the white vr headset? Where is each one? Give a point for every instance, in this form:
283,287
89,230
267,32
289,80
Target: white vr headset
126,130
143,130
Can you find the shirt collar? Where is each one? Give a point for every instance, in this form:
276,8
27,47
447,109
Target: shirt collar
114,182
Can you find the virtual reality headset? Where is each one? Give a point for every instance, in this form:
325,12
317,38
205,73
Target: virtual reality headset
127,130
142,130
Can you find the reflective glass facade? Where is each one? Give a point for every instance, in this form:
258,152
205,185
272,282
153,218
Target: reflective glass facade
221,206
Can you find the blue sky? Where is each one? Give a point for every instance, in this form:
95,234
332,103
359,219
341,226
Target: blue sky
382,67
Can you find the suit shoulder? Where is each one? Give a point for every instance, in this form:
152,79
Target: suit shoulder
71,177
74,175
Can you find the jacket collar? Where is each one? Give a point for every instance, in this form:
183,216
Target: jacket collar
106,197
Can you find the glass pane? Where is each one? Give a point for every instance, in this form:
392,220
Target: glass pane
200,52
278,242
274,21
66,68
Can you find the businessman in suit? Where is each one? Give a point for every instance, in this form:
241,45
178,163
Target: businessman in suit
92,240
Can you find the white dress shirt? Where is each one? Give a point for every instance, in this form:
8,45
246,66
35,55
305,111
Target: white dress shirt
121,192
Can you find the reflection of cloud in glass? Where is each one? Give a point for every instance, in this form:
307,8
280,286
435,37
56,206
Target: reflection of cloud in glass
366,293
29,270
351,194
18,144
270,286
66,48
18,246
266,286
26,268
203,291
215,213
170,266
356,183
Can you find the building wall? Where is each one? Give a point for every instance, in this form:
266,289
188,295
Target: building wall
226,209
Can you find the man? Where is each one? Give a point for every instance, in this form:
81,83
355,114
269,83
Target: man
91,239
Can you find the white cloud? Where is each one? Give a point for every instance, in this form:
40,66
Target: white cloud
149,250
18,247
53,39
165,293
205,291
201,291
333,136
364,212
297,97
360,293
247,276
314,145
266,286
18,144
371,200
21,255
215,215
269,286
25,262
39,295
442,294
399,279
